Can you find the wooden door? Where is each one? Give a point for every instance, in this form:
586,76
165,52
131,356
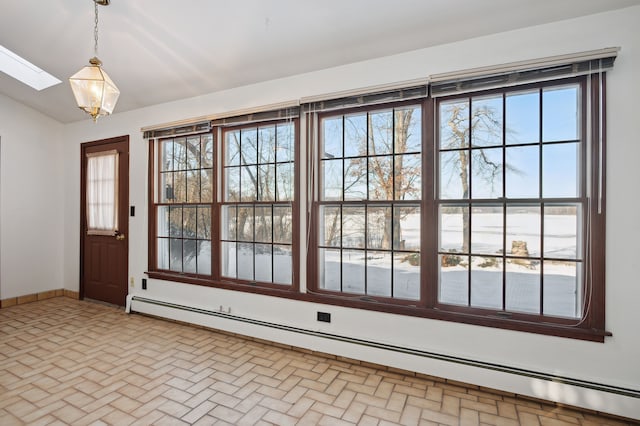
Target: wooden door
104,242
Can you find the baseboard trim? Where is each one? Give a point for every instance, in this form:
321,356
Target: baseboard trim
34,297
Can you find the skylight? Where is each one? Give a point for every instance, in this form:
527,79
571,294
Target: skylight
24,71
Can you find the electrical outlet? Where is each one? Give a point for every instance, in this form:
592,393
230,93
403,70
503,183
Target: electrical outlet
132,281
324,317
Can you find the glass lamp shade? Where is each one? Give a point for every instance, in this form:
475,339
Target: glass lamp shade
95,92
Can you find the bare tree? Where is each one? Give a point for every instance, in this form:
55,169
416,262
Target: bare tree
483,126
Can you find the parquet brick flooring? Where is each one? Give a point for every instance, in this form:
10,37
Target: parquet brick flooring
64,361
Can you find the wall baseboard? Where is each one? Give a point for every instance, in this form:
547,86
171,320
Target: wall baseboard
34,297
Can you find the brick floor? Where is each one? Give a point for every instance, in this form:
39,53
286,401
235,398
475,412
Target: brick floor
64,361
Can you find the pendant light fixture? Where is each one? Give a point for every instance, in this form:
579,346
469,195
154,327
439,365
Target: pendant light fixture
95,92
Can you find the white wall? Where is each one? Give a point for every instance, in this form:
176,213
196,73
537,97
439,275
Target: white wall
615,362
31,208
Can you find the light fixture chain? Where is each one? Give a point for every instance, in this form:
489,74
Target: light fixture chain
95,29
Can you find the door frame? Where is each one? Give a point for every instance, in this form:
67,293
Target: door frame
83,203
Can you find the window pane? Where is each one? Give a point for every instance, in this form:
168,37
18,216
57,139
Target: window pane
229,223
248,183
380,133
166,188
330,226
331,138
454,279
102,194
190,248
562,228
486,165
264,259
284,142
175,252
249,146
179,187
355,135
560,113
523,230
189,222
267,144
353,221
206,179
204,222
207,151
523,286
232,184
379,273
523,117
353,267
560,171
454,124
379,228
486,119
263,224
562,289
193,186
228,256
193,152
486,282
355,179
245,261
232,148
282,224
267,183
175,221
523,172
245,223
486,229
329,269
282,264
204,257
166,155
408,177
408,130
331,179
163,253
162,221
380,178
454,229
454,175
179,154
406,228
284,182
406,276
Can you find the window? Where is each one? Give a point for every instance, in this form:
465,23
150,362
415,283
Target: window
369,207
228,223
183,207
102,193
257,206
481,205
512,200
473,207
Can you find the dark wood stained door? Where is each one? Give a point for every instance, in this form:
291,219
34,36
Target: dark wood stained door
104,258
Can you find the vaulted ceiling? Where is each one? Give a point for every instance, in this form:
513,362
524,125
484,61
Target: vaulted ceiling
159,51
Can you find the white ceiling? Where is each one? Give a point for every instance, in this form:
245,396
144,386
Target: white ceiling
158,51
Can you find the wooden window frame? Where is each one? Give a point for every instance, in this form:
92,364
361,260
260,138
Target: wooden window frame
590,328
216,279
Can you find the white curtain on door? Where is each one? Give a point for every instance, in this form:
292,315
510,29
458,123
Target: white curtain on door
102,193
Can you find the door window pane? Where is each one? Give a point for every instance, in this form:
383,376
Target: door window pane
102,193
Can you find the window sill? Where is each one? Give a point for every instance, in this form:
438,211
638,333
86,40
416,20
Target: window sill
483,320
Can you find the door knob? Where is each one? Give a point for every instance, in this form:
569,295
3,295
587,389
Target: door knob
120,237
